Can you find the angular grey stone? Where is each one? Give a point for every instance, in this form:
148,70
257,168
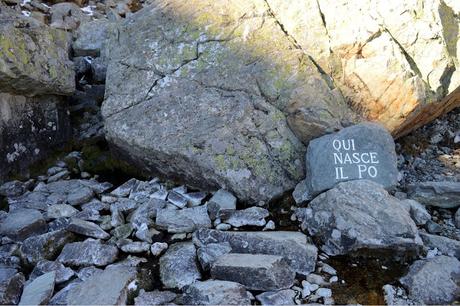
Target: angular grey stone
58,224
32,200
45,246
87,253
64,174
195,198
457,218
434,280
91,38
96,186
108,287
158,247
178,266
97,205
177,199
122,231
98,70
446,246
85,273
209,253
396,296
294,246
363,151
61,211
39,291
255,272
185,220
60,298
11,283
439,194
358,215
124,205
12,189
282,297
146,213
133,247
67,16
88,229
23,223
63,273
146,234
417,211
88,215
222,204
80,196
250,216
125,189
216,292
154,297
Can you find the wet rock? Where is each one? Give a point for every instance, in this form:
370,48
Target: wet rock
209,253
363,151
294,246
222,204
178,266
87,253
45,246
154,297
446,246
433,281
23,223
133,247
12,189
63,273
255,272
250,216
185,220
39,291
216,292
439,194
359,215
91,38
158,247
60,211
281,297
11,283
88,229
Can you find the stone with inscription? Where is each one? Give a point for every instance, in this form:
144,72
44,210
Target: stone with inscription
363,151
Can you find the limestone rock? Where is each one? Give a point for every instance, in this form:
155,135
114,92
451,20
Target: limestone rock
39,291
178,266
255,272
360,215
183,221
293,246
439,194
87,253
216,292
433,281
23,223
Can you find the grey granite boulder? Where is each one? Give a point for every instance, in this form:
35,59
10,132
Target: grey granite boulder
185,220
221,204
23,223
293,246
358,215
216,292
178,266
39,291
154,297
439,194
87,253
254,216
92,37
434,280
281,297
363,151
11,283
446,246
255,272
86,228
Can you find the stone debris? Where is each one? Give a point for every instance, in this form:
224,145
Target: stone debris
87,253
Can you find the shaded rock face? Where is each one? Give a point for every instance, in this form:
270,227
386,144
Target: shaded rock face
240,90
215,292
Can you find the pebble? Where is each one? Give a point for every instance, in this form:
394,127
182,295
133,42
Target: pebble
270,226
324,292
223,227
158,247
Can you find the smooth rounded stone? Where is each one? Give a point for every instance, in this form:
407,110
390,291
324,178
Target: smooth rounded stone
39,291
12,189
154,297
255,272
363,151
133,247
315,279
433,281
60,211
87,228
45,246
216,292
178,266
446,246
221,204
146,213
158,248
223,227
328,269
186,220
457,218
417,211
122,231
11,283
254,216
209,253
358,215
23,223
177,199
108,287
270,226
281,297
63,273
439,194
87,253
294,246
433,227
324,292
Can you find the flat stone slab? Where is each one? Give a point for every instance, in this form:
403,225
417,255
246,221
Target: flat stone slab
282,297
154,297
11,283
439,194
39,291
255,272
185,220
216,292
23,223
294,246
86,228
363,151
88,253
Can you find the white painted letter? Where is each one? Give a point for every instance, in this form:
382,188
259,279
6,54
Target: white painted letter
336,144
372,173
374,158
338,158
361,169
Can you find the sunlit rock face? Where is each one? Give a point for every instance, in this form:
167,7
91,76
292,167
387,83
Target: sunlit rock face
396,62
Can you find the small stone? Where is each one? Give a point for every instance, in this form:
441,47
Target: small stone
209,253
109,199
53,170
85,273
23,223
250,216
433,227
125,189
133,247
64,174
185,220
97,205
11,283
179,237
122,231
146,213
457,218
324,292
195,198
39,291
117,218
154,297
333,279
270,226
87,253
60,211
440,194
316,279
88,215
418,212
305,292
12,189
281,297
328,269
177,199
223,227
88,229
161,194
63,273
124,205
80,196
444,245
146,234
222,204
158,248
216,292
